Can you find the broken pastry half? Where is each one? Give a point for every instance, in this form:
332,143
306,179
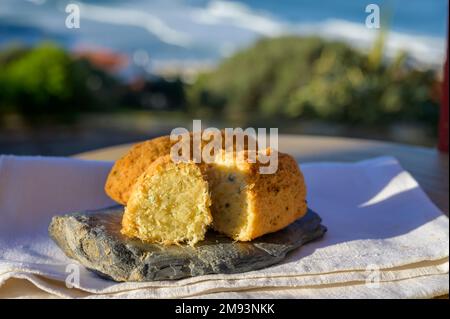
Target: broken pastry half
247,204
172,203
169,204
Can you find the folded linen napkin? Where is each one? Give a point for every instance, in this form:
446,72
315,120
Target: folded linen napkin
382,229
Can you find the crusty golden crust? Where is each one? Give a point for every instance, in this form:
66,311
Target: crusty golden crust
271,201
276,200
127,169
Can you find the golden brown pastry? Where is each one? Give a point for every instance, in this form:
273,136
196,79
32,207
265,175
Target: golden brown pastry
170,202
247,204
127,169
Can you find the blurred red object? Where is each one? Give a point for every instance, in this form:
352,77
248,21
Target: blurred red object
104,59
443,123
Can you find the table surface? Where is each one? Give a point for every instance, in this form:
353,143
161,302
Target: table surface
428,166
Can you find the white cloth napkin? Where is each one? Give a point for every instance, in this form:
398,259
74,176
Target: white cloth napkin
385,237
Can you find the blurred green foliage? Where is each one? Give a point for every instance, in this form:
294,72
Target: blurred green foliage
46,83
279,78
293,77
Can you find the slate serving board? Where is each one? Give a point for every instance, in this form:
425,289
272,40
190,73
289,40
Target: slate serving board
93,238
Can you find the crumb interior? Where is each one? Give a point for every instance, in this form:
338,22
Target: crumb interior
173,206
228,188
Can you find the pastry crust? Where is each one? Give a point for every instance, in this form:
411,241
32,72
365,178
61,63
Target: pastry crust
127,169
273,201
276,199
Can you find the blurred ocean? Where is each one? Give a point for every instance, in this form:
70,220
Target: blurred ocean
195,33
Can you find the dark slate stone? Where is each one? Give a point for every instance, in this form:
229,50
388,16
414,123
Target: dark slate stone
93,238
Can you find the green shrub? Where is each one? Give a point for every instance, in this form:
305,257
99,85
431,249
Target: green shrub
294,77
46,82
